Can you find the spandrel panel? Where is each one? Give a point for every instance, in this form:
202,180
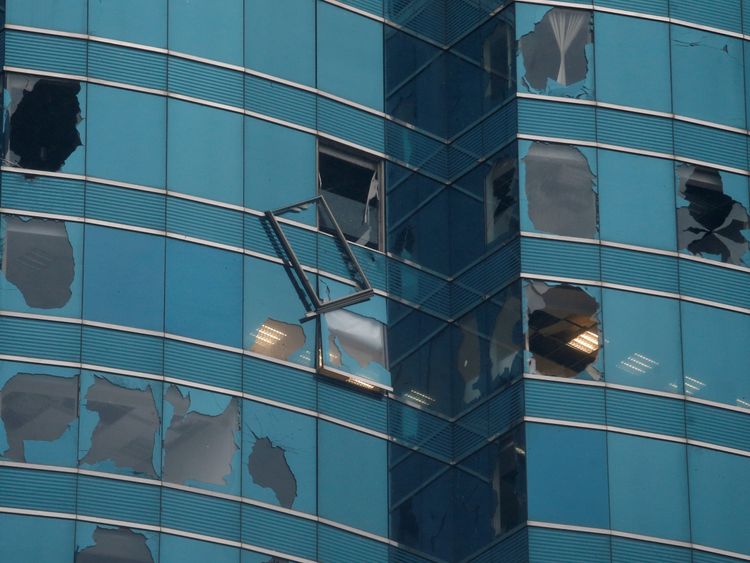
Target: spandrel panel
126,287
137,21
274,310
555,51
279,457
563,330
643,341
120,424
38,414
220,25
204,156
712,214
707,67
44,125
41,265
20,539
98,543
715,354
559,193
202,439
636,198
63,15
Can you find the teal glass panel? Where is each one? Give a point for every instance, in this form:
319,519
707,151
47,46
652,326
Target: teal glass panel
567,475
204,293
202,444
62,15
636,199
280,166
120,429
204,155
648,487
719,499
280,38
20,539
642,338
38,414
708,67
352,478
42,265
273,314
632,62
174,549
137,21
126,287
350,55
279,457
98,542
127,136
716,354
207,28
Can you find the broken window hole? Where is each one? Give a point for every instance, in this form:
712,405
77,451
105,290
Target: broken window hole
501,199
269,468
118,544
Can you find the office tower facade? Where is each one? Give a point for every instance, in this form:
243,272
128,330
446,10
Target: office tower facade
399,280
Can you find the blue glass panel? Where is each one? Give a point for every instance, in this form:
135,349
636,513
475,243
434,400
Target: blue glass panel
707,67
279,456
280,166
97,542
352,478
719,499
64,15
126,287
138,21
716,354
567,475
642,339
207,28
127,135
648,487
350,55
205,152
636,199
174,549
20,539
38,414
42,266
204,293
632,62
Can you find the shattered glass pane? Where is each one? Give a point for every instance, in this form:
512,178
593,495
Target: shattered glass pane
269,468
37,257
559,188
710,222
501,199
564,336
116,545
200,442
44,115
557,53
351,187
127,428
36,407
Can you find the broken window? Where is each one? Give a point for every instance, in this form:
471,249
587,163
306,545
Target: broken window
43,117
36,407
557,54
351,185
115,544
501,199
564,336
560,191
710,223
498,61
126,419
37,257
200,443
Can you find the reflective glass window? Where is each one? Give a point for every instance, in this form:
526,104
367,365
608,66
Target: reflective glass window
20,539
63,15
220,25
137,21
176,549
98,543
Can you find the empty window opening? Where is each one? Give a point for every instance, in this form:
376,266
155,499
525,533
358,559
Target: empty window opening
44,116
197,446
501,199
36,407
563,330
118,544
560,191
38,260
269,468
127,428
554,53
712,224
351,185
278,339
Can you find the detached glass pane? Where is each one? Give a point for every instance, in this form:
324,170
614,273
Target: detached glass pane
97,543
